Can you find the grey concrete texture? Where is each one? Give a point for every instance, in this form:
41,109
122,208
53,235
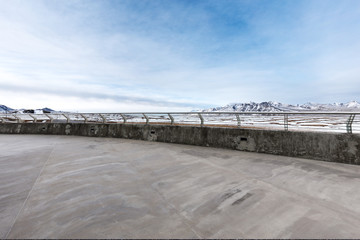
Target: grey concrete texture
334,147
81,187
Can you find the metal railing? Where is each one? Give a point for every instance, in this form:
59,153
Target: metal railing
307,121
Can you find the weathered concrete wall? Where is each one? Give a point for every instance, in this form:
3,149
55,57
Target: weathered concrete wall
334,147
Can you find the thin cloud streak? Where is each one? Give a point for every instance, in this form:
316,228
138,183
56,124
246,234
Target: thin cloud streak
95,95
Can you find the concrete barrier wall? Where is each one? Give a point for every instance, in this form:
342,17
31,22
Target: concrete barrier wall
334,147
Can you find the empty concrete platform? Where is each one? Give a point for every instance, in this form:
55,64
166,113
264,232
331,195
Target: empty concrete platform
82,187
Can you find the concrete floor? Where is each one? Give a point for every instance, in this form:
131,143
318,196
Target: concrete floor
81,187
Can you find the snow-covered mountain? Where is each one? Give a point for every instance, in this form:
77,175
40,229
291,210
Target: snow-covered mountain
280,107
5,109
248,107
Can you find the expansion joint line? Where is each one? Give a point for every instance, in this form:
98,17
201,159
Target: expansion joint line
31,190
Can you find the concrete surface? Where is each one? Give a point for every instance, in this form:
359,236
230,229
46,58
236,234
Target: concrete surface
332,147
81,187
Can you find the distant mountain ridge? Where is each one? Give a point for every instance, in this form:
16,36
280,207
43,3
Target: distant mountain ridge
280,107
5,109
269,106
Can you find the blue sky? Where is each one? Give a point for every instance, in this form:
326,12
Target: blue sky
112,56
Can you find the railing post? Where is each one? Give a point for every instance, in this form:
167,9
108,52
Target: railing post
17,118
67,118
35,119
123,116
286,122
147,118
85,118
51,118
201,119
238,120
349,123
171,118
103,118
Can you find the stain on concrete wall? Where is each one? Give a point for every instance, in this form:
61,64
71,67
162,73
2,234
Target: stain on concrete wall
68,129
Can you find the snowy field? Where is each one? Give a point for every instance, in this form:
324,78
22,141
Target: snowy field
276,121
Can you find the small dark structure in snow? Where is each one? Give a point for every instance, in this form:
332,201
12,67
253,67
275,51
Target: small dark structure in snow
29,111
